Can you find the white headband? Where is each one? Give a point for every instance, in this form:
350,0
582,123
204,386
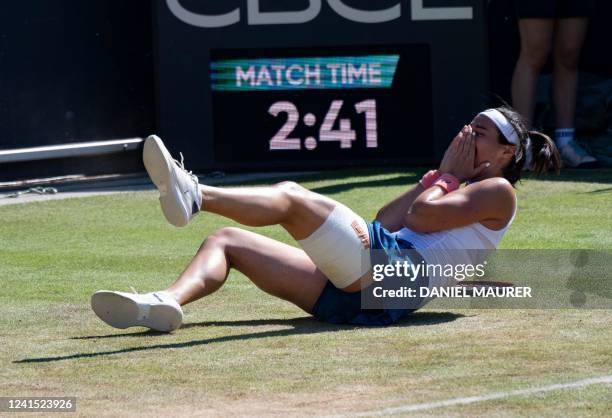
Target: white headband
503,124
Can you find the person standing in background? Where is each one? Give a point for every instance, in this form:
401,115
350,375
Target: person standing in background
560,25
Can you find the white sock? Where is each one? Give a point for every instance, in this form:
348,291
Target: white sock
564,136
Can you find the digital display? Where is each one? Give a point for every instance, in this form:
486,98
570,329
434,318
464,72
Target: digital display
322,105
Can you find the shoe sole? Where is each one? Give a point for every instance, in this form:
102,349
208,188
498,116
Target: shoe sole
157,160
122,312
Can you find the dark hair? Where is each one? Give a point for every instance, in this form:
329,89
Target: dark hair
543,151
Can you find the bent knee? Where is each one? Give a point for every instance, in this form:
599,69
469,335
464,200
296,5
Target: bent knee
293,193
224,236
289,187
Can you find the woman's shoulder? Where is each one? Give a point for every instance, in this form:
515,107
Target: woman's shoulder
497,185
498,192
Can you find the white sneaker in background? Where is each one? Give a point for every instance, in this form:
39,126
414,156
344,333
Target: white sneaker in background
156,310
179,192
576,157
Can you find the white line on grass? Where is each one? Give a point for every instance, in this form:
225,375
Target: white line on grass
489,397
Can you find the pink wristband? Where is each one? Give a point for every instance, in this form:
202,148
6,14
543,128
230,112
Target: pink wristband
429,178
448,182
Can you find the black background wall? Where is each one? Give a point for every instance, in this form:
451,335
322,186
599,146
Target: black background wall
74,70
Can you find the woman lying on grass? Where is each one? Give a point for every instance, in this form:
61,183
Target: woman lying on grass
325,277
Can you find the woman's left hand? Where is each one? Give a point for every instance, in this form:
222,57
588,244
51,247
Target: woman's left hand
459,158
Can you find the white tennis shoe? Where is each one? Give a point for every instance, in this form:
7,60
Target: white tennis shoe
179,192
575,156
157,310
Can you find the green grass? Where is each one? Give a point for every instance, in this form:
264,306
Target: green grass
243,352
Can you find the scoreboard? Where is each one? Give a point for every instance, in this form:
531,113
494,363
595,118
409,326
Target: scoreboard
345,103
314,83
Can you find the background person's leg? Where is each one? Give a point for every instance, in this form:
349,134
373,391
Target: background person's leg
569,38
536,41
276,268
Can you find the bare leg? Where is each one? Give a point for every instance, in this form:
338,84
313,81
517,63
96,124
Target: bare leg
569,37
536,40
298,210
276,268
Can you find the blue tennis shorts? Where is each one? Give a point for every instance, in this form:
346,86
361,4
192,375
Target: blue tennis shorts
338,307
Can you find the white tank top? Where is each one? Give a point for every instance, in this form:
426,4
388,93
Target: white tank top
453,245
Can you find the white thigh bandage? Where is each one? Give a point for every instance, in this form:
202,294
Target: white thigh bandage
340,248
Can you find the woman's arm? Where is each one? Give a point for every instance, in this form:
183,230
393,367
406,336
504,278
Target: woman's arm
391,216
490,201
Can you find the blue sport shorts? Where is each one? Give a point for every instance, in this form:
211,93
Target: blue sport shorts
338,307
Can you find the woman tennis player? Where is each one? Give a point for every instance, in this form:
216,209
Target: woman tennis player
325,277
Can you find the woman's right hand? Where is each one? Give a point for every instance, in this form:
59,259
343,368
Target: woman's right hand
459,158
